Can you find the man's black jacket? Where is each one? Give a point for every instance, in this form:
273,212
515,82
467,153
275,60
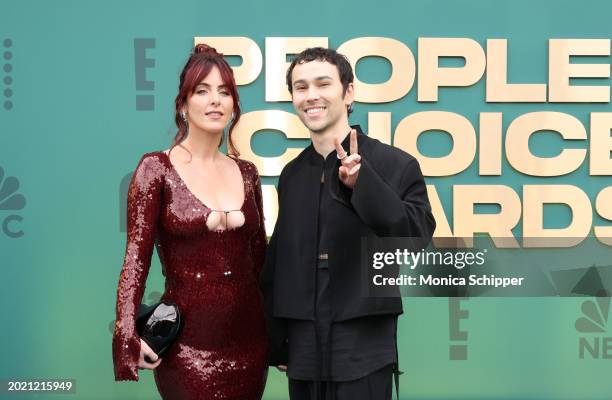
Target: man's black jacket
389,199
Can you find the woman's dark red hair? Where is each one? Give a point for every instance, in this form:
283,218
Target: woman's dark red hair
200,63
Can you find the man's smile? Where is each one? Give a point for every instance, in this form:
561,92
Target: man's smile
315,110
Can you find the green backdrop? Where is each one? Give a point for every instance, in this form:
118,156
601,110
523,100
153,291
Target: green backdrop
70,131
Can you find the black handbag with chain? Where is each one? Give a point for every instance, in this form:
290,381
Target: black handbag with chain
159,325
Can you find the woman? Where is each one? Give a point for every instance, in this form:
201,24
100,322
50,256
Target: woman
203,210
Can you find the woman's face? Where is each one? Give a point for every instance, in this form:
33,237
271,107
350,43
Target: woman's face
210,107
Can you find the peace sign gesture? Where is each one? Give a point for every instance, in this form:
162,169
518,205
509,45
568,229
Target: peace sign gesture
349,170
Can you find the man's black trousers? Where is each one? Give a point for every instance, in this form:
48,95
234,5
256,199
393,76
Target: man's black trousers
376,386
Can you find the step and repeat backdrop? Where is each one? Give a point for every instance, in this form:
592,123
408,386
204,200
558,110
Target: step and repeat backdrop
506,105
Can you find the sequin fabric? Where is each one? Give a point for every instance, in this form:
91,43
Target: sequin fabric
212,276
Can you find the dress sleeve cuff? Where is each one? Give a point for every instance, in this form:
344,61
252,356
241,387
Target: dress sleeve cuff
126,351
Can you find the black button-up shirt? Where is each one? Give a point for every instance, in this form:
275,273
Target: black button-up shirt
339,351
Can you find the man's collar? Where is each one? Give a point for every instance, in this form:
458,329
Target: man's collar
346,145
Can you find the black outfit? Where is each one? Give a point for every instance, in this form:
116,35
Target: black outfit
350,349
316,304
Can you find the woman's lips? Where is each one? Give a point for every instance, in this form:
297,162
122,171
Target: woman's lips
214,114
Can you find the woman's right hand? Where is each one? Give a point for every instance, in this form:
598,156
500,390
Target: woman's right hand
145,351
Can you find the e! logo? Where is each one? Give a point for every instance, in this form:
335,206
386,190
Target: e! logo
458,350
144,102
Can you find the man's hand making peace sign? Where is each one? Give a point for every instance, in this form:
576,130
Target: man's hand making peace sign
349,170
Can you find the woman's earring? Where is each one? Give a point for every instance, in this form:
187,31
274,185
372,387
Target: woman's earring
183,116
349,108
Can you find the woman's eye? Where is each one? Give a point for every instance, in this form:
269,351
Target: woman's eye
225,93
201,91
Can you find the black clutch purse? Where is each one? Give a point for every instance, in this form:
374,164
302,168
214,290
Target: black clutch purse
159,325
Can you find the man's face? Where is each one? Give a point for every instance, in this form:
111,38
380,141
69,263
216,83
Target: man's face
317,95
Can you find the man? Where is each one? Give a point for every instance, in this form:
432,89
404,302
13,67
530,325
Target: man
334,342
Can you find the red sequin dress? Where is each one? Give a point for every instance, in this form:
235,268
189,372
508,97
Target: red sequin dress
212,276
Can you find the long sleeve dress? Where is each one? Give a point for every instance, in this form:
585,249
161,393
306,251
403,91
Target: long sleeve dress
211,275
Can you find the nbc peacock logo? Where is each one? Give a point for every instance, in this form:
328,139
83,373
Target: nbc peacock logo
593,323
10,201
